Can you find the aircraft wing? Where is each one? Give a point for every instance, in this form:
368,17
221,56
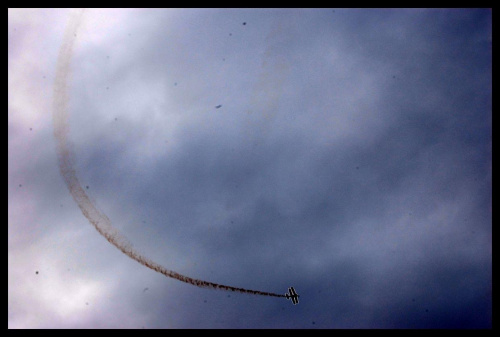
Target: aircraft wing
294,295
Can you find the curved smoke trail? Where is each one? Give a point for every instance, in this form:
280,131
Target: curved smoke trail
66,159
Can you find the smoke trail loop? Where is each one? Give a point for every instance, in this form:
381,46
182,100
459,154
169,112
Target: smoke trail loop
67,169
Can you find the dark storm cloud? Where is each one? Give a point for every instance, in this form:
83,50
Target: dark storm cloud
337,186
359,172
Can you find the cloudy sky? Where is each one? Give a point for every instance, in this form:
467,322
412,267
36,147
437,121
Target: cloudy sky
350,158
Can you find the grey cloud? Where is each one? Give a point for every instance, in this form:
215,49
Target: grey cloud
359,172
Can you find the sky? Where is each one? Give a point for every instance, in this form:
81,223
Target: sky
344,152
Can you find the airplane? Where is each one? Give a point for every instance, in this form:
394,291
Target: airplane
292,295
218,106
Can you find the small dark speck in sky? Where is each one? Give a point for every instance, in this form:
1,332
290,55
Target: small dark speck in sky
36,272
218,106
20,185
205,301
357,167
87,186
244,23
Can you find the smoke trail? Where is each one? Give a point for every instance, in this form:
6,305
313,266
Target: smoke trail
66,159
266,94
